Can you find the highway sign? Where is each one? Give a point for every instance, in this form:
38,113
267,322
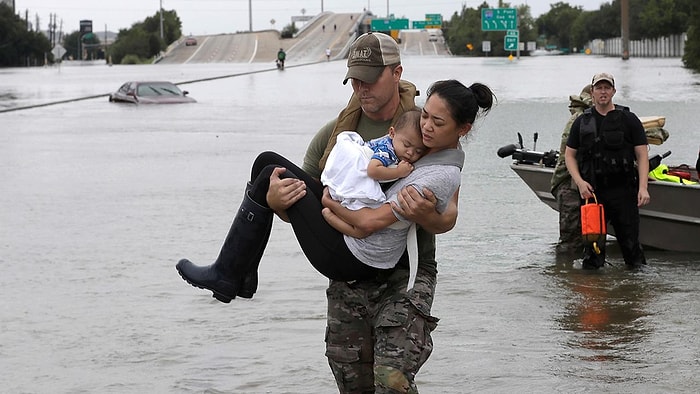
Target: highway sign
434,17
58,51
425,25
389,24
495,19
510,43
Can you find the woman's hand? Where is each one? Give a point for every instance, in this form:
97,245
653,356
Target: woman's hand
421,209
413,206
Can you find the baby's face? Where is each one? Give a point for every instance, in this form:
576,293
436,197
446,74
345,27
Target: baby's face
408,144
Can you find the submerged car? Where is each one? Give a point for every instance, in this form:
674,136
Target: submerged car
153,92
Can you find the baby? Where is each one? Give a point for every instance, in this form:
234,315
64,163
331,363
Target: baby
355,168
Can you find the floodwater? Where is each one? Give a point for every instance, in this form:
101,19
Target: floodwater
100,200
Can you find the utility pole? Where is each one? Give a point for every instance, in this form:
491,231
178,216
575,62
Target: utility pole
625,27
250,16
161,19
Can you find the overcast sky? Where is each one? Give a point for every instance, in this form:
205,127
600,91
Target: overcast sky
201,17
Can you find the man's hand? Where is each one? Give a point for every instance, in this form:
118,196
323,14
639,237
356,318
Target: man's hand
643,197
585,190
283,193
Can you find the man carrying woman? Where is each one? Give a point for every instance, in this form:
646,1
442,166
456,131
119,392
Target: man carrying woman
378,333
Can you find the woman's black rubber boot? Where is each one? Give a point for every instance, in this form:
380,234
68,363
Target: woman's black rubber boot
242,250
250,283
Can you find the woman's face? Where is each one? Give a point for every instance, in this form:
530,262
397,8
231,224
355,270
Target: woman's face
440,130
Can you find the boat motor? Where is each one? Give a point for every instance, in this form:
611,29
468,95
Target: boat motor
655,160
526,156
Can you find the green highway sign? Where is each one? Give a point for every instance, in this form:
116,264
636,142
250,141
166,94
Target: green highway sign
425,25
495,19
389,24
434,17
510,43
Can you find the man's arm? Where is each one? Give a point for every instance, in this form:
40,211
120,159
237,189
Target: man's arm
316,148
584,188
283,193
642,156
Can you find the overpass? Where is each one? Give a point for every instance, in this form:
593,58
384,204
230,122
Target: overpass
326,30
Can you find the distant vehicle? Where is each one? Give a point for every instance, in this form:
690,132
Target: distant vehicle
150,92
433,36
190,41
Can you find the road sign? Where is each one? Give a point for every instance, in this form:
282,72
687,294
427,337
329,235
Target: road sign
495,19
58,51
510,43
301,18
486,46
434,17
389,24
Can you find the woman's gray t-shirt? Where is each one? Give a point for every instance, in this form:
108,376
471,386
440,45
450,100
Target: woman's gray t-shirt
383,248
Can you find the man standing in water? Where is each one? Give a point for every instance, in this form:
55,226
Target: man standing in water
563,187
378,333
603,146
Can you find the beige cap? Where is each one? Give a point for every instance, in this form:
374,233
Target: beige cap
603,77
368,56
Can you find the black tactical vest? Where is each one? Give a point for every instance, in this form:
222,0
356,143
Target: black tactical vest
608,152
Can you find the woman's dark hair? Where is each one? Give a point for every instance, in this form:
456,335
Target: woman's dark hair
463,102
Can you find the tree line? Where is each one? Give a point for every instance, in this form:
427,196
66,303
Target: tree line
570,28
563,26
21,46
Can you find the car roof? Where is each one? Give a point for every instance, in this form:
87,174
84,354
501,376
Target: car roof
142,82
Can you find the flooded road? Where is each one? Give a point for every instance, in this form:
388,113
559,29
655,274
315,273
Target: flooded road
100,200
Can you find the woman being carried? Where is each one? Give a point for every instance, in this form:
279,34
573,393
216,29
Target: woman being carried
449,112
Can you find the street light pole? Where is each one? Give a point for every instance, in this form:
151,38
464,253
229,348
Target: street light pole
161,19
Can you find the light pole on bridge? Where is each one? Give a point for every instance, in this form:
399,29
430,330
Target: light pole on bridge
161,19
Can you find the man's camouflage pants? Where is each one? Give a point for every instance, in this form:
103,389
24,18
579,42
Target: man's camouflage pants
378,334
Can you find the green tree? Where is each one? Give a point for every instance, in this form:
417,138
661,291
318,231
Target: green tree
289,31
663,17
142,41
18,45
554,27
90,46
135,42
691,57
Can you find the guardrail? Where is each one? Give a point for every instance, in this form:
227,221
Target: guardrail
671,46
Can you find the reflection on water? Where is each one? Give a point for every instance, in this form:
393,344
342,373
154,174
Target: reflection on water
615,323
606,311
